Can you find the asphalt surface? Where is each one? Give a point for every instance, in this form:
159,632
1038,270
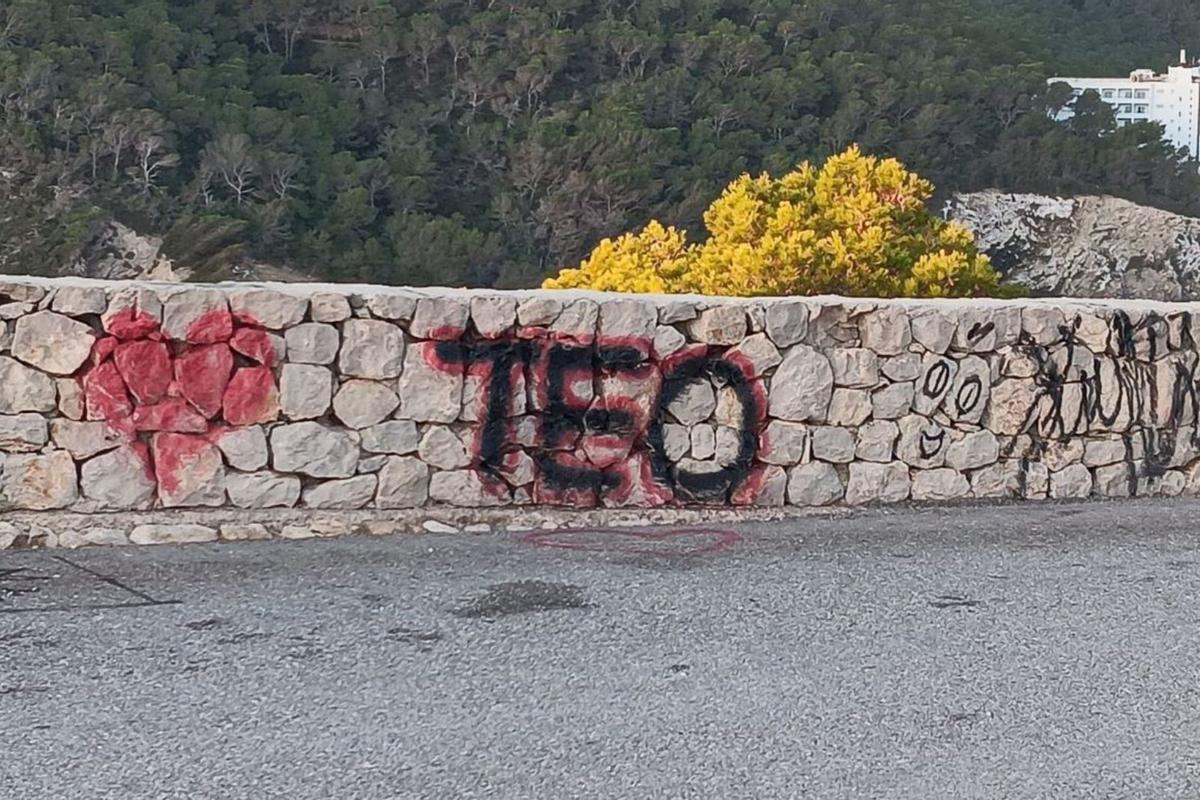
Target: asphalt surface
1039,651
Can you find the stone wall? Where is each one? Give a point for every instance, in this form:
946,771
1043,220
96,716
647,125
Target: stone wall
118,396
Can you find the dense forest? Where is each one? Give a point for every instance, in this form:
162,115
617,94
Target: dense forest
486,142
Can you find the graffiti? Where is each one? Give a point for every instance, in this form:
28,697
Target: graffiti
168,399
930,444
669,542
1135,389
601,410
937,379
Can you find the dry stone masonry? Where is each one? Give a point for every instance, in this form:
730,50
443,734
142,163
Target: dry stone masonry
135,396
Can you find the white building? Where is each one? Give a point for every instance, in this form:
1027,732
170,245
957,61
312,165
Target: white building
1172,100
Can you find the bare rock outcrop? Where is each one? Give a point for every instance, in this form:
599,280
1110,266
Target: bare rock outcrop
1085,246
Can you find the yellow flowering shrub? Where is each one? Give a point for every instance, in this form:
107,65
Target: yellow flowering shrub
856,226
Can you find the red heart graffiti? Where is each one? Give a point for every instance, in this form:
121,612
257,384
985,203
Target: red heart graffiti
672,541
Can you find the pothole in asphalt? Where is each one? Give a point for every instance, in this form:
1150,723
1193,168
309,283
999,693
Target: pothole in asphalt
523,597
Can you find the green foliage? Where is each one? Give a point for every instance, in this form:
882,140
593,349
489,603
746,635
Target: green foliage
452,141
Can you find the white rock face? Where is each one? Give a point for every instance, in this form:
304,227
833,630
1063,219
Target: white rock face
119,479
40,482
493,316
172,533
329,307
305,391
939,484
267,308
85,439
835,445
312,343
784,443
315,450
1085,246
1073,481
403,483
463,488
427,392
439,318
342,494
244,448
719,325
787,322
371,349
398,437
262,489
802,386
877,483
23,433
815,484
361,404
52,342
441,448
185,307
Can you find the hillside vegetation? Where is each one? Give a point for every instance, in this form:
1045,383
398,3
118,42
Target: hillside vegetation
490,143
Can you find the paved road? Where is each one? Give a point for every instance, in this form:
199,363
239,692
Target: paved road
1004,652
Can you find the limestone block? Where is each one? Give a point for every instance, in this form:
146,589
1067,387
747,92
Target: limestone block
267,308
262,489
343,494
120,479
313,449
190,470
40,482
1060,454
493,315
1117,480
892,402
243,531
1043,325
465,488
243,448
727,445
312,343
329,307
923,443
720,325
22,292
704,442
885,331
172,533
85,439
787,322
443,318
371,464
1002,479
632,322
361,404
667,340
1011,407
397,437
694,404
1073,481
783,443
132,312
772,487
679,310
70,398
972,451
939,484
854,367
427,392
677,441
904,367
440,447
970,391
403,483
876,441
305,391
371,349
934,329
252,397
78,300
757,353
802,386
815,484
395,306
849,407
835,445
23,433
198,316
1105,450
577,321
877,483
937,378
52,342
538,311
